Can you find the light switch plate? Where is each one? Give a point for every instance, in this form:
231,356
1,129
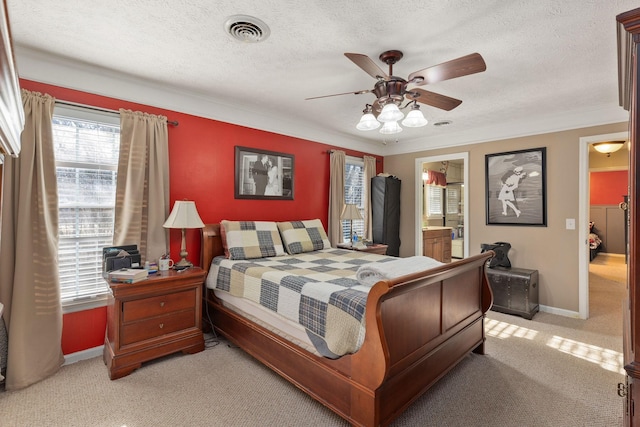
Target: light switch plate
571,223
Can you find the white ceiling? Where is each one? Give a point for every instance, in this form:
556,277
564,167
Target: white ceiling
551,64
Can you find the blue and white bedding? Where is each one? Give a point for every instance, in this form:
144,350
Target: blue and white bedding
317,290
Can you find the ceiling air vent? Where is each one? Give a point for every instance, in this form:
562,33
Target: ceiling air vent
442,123
246,29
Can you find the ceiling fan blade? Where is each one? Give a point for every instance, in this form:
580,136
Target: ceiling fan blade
370,67
433,99
359,92
462,66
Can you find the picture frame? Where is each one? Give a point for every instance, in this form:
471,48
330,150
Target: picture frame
262,174
515,184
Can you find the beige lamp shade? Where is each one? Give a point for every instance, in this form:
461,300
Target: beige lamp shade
184,215
350,211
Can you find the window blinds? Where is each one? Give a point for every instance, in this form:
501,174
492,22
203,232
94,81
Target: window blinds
353,194
86,153
434,201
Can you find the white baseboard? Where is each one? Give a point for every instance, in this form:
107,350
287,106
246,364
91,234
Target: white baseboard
89,353
560,311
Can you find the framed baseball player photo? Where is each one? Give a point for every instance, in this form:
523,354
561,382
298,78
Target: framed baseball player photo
516,188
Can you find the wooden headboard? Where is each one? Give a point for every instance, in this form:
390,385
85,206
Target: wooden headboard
211,245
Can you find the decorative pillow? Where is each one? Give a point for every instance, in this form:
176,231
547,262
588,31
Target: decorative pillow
303,236
250,239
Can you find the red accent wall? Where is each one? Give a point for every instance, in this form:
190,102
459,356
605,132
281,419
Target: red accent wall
83,329
201,168
607,188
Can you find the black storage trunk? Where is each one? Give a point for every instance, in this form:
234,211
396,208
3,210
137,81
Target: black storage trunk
515,290
385,212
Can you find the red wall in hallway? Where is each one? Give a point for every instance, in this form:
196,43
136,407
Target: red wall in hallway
201,168
607,188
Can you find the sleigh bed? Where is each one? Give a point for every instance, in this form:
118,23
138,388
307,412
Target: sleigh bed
418,327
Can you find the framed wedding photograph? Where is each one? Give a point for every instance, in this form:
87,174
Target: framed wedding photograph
516,187
261,174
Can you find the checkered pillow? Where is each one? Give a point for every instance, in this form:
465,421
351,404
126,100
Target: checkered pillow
303,236
250,239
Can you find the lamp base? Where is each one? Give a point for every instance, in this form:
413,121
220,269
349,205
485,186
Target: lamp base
183,263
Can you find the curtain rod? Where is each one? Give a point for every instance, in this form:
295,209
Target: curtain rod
104,110
331,151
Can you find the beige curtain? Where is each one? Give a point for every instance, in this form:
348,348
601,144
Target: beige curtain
29,282
369,172
336,196
142,190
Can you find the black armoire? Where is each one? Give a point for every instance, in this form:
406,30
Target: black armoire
385,212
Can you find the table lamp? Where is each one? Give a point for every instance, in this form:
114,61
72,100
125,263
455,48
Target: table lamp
351,212
183,215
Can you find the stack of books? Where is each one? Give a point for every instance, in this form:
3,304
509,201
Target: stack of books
128,275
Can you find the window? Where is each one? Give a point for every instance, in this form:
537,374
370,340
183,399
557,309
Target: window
453,200
353,192
434,201
86,146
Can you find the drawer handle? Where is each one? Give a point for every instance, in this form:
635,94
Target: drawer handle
161,325
162,304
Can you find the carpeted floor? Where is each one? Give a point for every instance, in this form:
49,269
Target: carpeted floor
549,371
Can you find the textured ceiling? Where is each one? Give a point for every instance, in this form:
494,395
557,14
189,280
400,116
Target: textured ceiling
551,64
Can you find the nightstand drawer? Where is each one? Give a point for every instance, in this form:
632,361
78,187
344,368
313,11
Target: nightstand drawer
157,326
156,306
153,318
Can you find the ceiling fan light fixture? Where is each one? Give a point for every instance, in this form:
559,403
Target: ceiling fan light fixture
415,118
368,122
392,91
390,113
608,147
390,128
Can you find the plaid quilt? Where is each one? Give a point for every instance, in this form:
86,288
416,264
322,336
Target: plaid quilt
318,290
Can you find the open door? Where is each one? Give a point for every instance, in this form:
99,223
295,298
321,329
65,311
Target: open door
449,207
628,74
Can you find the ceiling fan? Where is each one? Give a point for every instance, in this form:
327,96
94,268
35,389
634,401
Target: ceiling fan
390,91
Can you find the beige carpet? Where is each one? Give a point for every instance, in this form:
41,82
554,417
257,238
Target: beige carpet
550,371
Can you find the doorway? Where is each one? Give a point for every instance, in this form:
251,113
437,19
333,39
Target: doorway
461,161
584,216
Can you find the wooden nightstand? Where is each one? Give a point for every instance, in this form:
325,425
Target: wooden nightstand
152,318
377,248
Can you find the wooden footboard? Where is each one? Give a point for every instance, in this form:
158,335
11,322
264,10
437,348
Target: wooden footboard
418,327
